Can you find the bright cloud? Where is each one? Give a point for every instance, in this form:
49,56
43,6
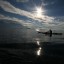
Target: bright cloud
22,22
49,22
12,18
6,6
27,24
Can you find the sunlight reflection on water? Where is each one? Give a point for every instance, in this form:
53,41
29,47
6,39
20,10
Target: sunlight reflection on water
38,42
39,51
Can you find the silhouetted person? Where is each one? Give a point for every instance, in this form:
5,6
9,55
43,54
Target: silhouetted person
50,32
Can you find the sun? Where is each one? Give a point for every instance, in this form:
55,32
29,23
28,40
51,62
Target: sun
38,12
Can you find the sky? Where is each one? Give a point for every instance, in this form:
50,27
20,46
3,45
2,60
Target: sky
46,14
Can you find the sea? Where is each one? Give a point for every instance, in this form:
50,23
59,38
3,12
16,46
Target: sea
27,46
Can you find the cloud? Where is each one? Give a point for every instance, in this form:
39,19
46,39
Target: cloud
28,24
60,26
49,22
22,1
6,6
51,25
12,19
44,4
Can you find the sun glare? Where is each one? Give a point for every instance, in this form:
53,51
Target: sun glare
39,51
39,12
